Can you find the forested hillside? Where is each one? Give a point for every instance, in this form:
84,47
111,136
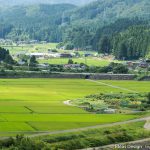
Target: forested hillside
98,25
39,22
90,18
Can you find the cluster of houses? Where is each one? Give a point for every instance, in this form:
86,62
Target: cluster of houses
11,42
144,63
39,55
30,42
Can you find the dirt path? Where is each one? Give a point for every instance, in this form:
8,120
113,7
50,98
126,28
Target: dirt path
113,146
87,128
68,103
44,133
113,86
147,125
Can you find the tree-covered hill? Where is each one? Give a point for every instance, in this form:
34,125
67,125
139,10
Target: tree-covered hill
39,22
79,27
101,13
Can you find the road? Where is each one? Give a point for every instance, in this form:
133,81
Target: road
113,146
87,128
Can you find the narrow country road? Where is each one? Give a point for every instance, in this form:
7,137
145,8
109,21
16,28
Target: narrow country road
87,128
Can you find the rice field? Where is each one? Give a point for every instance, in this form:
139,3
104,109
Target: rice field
91,61
31,105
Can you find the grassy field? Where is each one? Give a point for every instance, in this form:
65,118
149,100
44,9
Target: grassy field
37,104
89,61
28,48
97,137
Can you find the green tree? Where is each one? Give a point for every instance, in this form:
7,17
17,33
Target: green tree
70,61
33,62
8,59
105,45
148,98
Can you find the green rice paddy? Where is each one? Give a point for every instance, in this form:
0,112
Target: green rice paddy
91,61
31,105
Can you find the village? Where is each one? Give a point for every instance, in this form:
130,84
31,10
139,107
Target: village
52,58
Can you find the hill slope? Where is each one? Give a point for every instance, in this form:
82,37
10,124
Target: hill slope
79,27
40,22
31,2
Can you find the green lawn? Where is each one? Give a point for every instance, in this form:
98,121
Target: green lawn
37,104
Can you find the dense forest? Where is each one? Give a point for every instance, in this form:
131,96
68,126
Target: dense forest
106,26
39,22
126,39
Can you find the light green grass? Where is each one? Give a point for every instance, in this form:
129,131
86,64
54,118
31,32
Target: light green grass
30,47
14,126
37,104
132,85
91,118
91,61
54,109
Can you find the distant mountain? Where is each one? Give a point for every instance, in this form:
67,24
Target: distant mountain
31,2
40,22
85,21
78,27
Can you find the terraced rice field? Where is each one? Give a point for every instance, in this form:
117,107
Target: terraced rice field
31,105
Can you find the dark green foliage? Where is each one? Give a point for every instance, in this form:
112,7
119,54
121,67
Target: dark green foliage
39,22
79,140
33,61
7,143
70,61
120,27
120,69
8,59
126,39
117,101
5,56
69,46
2,72
148,98
132,43
104,45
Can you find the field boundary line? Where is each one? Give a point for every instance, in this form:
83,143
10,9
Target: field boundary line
44,133
113,86
40,133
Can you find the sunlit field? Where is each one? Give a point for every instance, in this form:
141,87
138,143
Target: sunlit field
31,105
91,61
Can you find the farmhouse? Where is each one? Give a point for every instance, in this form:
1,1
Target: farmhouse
75,66
44,55
65,55
143,64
